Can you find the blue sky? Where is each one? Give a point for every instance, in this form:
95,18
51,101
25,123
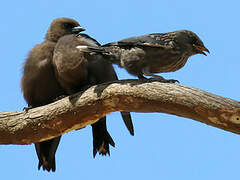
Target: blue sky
164,146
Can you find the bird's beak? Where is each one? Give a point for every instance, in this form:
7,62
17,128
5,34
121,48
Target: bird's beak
78,29
201,49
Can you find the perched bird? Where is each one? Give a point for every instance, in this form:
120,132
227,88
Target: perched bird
155,53
77,67
39,83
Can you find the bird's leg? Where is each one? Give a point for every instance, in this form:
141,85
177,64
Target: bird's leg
146,72
157,77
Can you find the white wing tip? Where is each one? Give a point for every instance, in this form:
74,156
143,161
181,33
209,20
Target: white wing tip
82,48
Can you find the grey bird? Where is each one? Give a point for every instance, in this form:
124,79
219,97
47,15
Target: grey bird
155,53
39,84
78,67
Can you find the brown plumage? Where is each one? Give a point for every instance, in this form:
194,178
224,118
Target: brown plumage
39,83
155,53
76,67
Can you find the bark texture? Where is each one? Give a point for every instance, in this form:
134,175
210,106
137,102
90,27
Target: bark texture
84,108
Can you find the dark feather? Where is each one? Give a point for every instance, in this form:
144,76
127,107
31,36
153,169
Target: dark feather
40,86
155,53
76,69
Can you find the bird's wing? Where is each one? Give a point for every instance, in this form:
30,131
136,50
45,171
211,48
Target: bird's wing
161,40
88,44
86,39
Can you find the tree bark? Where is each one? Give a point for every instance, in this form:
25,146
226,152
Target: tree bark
84,108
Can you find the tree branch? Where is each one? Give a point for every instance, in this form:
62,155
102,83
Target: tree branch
84,108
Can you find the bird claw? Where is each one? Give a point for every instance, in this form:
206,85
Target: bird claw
170,81
160,78
26,109
163,80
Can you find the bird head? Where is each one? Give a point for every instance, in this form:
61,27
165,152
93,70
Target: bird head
62,26
191,42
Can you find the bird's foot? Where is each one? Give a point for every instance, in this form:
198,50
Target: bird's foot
169,81
26,109
158,78
162,79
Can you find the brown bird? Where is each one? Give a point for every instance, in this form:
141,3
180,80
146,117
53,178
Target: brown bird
76,67
39,83
155,53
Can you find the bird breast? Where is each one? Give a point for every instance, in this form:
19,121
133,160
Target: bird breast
166,63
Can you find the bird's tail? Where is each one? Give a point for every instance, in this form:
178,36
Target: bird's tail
126,116
111,53
46,154
101,138
48,165
91,49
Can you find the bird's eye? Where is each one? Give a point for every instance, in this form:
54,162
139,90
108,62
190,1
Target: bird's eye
194,41
68,25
